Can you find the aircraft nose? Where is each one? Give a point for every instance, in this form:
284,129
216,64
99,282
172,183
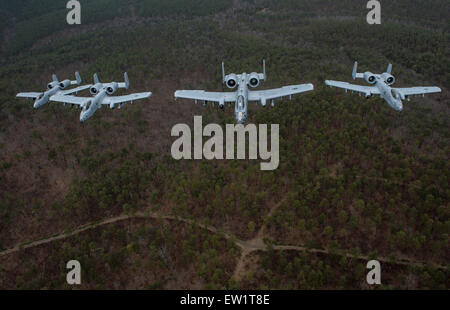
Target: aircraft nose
240,117
37,104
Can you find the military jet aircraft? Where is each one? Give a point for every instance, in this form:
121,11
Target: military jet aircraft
101,96
54,88
382,87
243,95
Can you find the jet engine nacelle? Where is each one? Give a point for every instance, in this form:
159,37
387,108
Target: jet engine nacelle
111,89
64,84
253,80
388,78
96,89
370,77
52,85
231,81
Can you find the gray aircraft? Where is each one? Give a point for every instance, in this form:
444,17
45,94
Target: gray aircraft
54,88
382,87
243,95
102,95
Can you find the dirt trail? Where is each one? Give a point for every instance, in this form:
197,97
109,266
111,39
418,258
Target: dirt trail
246,246
252,245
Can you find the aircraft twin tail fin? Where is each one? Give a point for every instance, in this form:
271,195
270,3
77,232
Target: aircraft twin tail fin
264,75
389,69
264,70
76,82
78,78
355,74
127,80
223,72
125,84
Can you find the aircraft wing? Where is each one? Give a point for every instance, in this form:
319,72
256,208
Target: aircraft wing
127,98
418,90
206,96
357,88
74,90
70,99
29,95
279,92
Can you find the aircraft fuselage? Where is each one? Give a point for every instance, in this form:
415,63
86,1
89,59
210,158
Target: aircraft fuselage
92,106
387,93
45,98
241,105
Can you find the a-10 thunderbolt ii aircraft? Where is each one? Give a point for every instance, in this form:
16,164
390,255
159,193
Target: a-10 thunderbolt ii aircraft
243,95
101,96
54,88
382,87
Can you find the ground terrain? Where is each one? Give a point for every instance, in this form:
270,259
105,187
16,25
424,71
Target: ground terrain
356,180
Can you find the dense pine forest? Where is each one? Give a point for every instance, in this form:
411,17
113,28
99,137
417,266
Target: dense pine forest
357,180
